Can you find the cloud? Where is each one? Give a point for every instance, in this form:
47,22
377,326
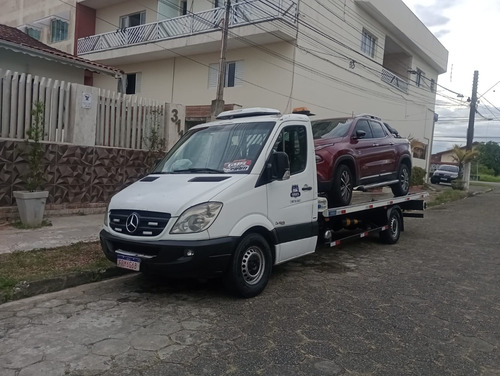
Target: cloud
441,33
431,15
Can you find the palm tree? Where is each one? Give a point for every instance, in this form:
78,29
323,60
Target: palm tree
463,156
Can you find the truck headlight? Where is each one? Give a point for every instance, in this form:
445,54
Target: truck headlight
197,218
106,214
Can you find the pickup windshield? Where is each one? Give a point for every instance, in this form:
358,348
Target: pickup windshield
228,148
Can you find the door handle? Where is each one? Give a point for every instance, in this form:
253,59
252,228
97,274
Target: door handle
306,188
375,145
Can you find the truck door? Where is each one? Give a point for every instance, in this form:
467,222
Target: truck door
292,203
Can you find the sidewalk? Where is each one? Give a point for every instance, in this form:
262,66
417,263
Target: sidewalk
64,231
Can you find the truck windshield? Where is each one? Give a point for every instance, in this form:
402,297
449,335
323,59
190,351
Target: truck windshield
229,148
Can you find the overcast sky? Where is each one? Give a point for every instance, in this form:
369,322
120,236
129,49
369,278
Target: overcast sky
469,30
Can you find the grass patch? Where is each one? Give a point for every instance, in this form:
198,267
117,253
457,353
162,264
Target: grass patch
447,196
21,226
489,178
29,266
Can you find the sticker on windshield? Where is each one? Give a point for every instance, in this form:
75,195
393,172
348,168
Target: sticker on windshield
238,165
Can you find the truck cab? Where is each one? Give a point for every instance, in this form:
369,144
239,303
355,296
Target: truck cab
232,198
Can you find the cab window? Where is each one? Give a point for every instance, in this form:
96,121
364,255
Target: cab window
293,141
363,125
377,130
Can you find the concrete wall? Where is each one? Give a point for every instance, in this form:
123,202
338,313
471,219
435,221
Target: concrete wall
108,19
38,13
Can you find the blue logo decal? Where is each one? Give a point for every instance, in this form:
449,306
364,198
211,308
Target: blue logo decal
295,191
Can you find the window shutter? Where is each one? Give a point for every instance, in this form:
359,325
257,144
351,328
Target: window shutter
238,73
213,74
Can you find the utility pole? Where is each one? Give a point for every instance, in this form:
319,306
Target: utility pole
218,104
472,112
470,128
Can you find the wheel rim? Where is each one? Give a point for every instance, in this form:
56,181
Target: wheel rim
253,265
404,178
393,226
345,185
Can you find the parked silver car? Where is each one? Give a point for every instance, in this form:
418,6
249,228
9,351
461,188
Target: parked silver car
444,174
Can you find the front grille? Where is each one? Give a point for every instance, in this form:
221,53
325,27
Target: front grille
138,222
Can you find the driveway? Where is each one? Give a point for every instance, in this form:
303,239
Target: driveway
428,305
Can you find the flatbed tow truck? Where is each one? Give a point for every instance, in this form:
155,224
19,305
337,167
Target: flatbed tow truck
235,197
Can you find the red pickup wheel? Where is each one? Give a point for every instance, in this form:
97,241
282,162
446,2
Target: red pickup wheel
402,187
341,193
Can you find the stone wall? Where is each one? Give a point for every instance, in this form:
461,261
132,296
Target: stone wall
80,178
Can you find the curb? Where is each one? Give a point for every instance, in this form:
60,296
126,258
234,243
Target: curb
28,289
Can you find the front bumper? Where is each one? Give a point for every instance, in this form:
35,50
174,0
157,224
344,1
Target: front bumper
444,178
168,257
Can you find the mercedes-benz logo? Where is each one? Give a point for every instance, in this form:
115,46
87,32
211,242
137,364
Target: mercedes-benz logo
132,223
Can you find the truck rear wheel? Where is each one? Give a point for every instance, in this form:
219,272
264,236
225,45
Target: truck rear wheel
395,222
250,267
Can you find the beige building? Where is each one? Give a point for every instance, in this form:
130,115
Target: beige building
336,58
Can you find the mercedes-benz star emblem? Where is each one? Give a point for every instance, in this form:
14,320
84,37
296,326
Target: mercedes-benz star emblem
132,223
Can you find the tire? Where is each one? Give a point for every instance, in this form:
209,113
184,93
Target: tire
341,193
250,267
391,235
434,181
402,187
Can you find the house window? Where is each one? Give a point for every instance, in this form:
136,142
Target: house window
58,30
184,7
131,84
134,19
233,77
34,33
217,3
433,85
419,77
368,42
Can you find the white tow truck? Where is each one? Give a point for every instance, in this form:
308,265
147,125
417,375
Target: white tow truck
233,198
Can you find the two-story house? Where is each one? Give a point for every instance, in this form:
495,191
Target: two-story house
336,58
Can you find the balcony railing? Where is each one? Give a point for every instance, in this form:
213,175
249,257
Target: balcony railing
394,80
241,13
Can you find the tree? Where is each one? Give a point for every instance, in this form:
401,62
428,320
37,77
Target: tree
489,156
463,156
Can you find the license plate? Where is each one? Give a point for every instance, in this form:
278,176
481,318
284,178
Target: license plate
444,178
128,262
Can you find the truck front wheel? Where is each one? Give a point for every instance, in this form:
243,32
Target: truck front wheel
250,267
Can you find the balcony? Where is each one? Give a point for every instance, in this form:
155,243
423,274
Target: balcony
258,21
394,80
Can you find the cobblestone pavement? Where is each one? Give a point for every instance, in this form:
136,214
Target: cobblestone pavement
429,305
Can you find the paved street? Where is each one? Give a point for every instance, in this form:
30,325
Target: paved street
429,305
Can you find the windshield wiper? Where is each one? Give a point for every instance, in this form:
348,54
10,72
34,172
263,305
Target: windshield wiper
200,170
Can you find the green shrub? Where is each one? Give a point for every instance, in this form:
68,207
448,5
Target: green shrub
417,176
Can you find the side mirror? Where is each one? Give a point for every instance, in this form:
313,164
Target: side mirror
280,166
360,134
